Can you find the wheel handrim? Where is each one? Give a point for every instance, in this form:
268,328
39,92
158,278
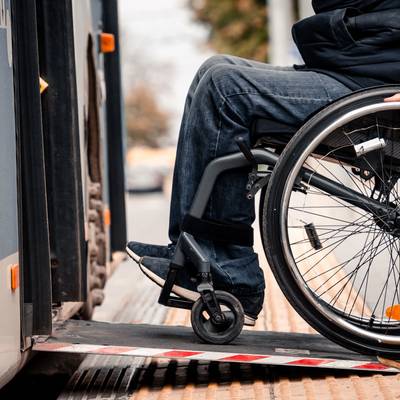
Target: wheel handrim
350,321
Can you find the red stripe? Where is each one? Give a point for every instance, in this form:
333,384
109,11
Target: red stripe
243,357
372,365
51,346
309,362
178,354
114,349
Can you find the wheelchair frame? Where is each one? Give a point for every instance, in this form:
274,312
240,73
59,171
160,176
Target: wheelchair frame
189,249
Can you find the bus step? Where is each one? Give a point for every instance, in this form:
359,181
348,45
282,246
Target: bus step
140,340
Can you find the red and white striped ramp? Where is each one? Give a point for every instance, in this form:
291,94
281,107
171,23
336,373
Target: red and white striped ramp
272,348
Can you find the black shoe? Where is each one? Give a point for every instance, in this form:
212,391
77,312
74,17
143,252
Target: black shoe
186,286
136,250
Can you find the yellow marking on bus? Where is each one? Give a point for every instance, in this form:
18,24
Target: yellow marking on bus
43,85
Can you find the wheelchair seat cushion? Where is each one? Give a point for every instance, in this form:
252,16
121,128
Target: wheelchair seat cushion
272,132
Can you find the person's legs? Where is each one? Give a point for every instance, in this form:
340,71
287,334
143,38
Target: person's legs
138,249
212,62
224,104
226,95
218,61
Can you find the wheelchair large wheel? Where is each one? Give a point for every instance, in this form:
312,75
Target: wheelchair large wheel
331,222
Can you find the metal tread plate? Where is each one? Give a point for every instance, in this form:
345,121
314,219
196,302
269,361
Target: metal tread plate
272,348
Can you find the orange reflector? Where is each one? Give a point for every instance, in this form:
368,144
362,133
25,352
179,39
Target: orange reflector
14,277
393,312
107,217
107,42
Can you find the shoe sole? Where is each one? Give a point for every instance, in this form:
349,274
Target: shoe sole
176,289
133,255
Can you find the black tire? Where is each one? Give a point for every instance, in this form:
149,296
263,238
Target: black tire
272,233
212,333
263,193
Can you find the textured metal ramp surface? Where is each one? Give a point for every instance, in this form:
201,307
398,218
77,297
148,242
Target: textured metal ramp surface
271,348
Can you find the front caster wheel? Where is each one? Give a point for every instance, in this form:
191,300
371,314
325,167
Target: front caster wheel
218,333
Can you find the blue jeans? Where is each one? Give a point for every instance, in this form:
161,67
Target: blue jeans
226,95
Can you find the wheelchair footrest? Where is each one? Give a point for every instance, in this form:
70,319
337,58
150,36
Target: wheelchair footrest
177,302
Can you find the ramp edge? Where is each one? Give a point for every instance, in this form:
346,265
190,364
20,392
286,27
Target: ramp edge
287,360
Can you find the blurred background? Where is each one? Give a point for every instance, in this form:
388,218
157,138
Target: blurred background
163,44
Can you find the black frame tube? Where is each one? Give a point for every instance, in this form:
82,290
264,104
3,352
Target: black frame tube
35,246
365,203
222,164
115,130
62,150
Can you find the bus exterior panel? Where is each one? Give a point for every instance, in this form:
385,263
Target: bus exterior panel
10,356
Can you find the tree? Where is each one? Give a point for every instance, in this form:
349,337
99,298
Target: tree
146,123
238,27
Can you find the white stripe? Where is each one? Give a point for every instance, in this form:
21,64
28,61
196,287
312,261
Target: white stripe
210,355
279,360
145,352
346,364
80,348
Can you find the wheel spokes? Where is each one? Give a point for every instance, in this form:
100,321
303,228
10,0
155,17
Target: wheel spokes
356,269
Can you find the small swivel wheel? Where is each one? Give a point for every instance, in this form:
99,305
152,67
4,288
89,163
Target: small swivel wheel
211,331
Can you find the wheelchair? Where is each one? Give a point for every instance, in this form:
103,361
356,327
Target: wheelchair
329,223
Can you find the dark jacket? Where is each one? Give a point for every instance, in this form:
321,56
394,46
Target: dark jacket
354,41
